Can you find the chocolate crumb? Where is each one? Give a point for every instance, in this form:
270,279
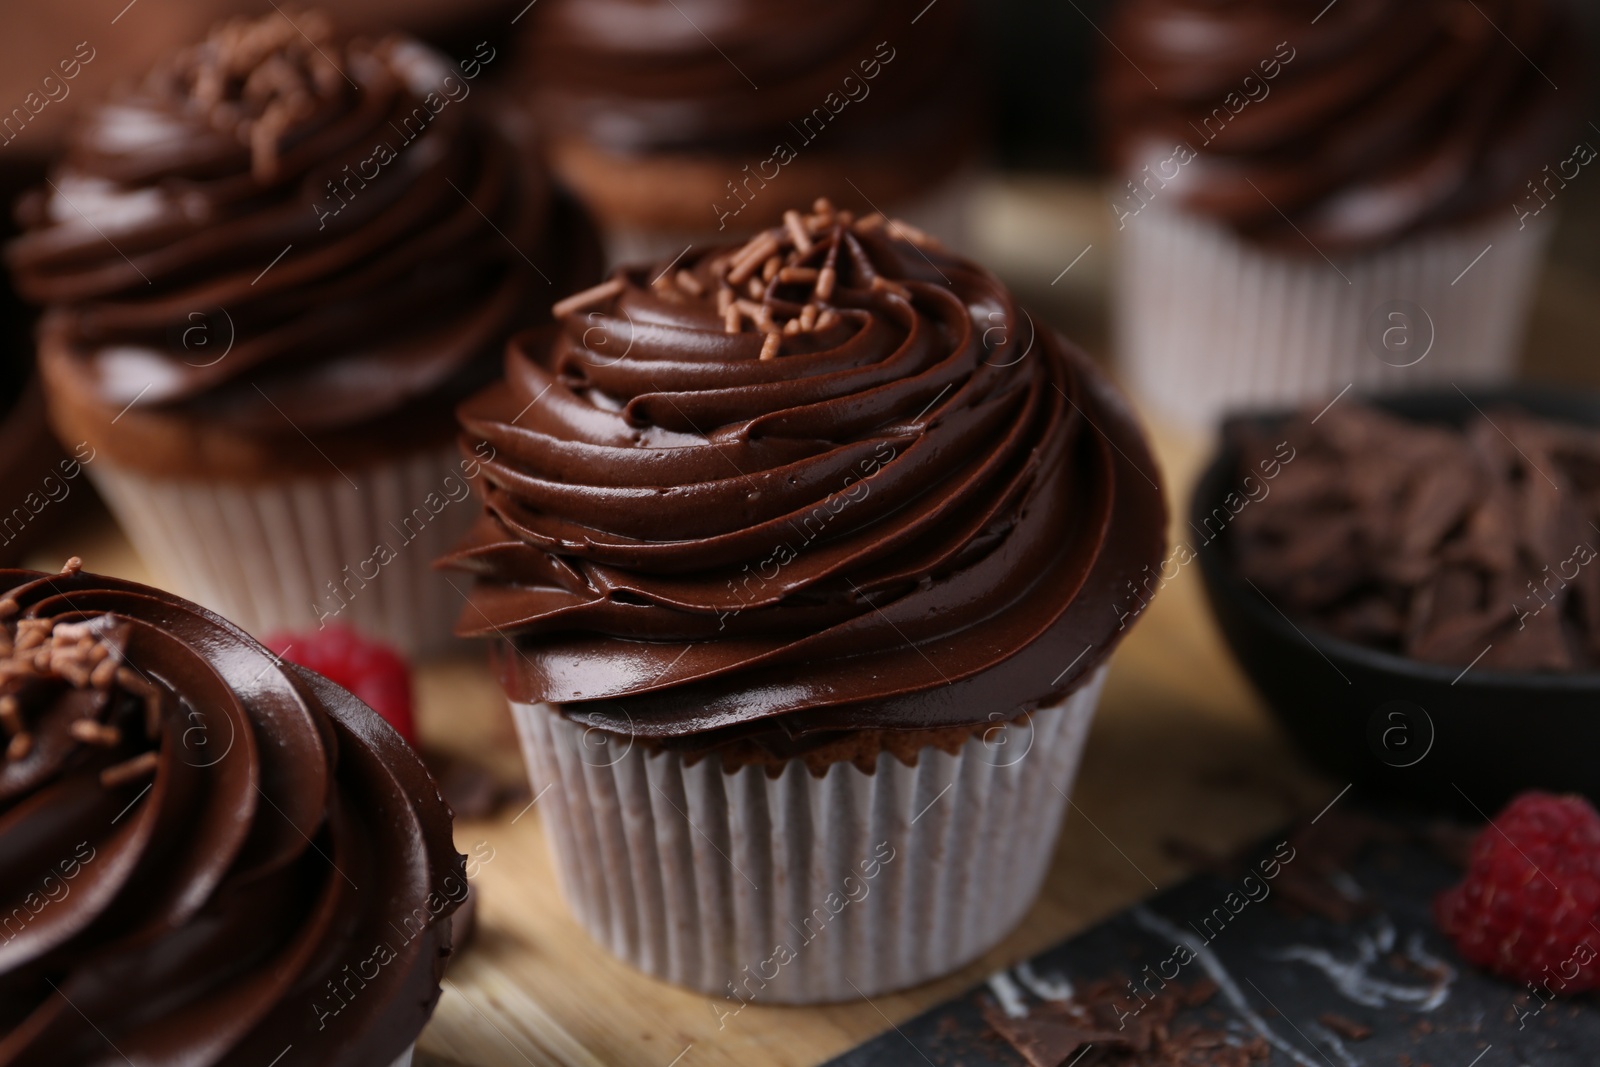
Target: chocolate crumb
1313,881
1345,1027
469,787
1054,1032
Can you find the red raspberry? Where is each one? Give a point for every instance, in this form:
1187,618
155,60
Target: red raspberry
1529,908
377,674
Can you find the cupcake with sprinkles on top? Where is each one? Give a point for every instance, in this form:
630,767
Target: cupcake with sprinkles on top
815,549
269,270
208,856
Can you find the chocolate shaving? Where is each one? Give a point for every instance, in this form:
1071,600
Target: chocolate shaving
1100,1017
471,789
1450,546
1345,1027
1313,880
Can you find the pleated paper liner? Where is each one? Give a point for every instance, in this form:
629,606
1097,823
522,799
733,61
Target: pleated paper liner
352,548
799,889
1206,322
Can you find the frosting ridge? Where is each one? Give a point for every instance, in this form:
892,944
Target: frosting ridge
242,844
278,228
713,76
1354,126
834,479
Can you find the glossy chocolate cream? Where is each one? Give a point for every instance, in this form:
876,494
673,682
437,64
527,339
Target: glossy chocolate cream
282,241
739,77
1353,123
207,855
833,480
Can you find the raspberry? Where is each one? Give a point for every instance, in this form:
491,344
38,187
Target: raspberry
376,674
1529,908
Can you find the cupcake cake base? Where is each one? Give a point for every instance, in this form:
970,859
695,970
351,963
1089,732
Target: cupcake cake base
353,548
798,889
1207,322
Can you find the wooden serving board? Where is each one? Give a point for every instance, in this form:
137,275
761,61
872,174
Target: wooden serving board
1181,749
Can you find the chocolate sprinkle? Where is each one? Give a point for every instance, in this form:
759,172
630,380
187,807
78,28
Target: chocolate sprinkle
38,656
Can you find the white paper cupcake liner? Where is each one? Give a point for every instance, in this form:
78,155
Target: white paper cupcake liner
1206,322
798,889
304,553
405,1057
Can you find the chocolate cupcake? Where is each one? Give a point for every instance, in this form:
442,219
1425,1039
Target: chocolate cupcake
270,270
210,856
701,123
1315,195
802,562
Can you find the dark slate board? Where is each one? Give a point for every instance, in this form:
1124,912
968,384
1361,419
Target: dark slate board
1477,1025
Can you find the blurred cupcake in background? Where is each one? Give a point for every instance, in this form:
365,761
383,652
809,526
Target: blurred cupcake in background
270,269
1311,195
700,121
816,547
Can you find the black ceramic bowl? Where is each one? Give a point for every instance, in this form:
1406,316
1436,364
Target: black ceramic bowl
1394,726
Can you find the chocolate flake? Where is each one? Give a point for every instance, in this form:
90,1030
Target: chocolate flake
1054,1033
1313,881
1451,546
1345,1027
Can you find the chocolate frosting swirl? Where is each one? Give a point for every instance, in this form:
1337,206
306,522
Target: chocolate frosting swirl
282,225
1354,125
896,503
645,75
206,854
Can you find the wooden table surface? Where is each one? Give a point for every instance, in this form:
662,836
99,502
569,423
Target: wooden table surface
1181,748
